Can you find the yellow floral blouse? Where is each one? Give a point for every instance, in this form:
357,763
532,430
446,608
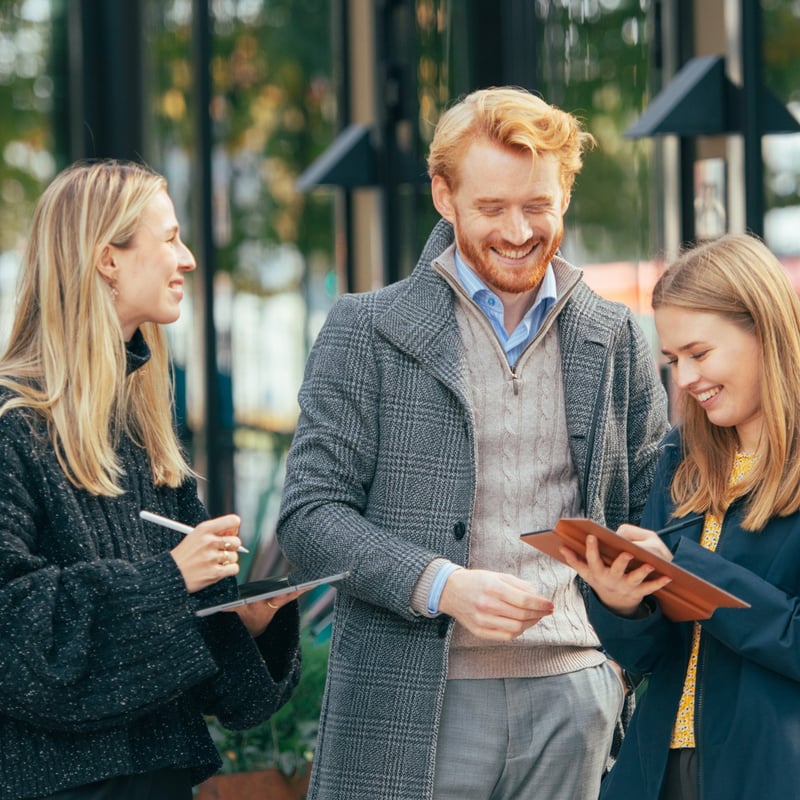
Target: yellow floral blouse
683,732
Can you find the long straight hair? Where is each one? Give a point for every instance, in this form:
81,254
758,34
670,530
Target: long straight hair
737,278
66,358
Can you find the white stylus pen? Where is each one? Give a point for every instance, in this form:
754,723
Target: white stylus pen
166,522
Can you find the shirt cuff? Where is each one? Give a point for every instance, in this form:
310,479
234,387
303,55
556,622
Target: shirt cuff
438,586
421,597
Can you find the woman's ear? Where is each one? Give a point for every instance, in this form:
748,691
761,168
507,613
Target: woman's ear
106,265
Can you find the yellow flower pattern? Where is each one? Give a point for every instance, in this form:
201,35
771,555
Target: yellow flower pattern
683,731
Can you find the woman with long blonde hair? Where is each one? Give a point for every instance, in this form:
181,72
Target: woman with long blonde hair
720,714
106,670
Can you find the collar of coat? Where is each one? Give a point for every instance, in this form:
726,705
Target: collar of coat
420,321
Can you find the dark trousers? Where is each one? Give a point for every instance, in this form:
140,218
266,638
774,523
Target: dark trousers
680,781
161,784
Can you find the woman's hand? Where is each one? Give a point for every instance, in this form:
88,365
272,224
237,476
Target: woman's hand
257,616
209,553
647,539
619,589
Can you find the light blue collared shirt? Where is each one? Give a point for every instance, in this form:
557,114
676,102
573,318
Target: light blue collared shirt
492,306
513,345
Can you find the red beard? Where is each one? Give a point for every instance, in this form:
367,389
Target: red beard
504,278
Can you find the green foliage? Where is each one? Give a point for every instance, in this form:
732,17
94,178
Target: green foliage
273,107
288,739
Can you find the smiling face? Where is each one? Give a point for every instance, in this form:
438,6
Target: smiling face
508,217
718,364
149,273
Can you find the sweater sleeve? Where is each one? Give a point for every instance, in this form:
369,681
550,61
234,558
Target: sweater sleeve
92,644
767,633
256,676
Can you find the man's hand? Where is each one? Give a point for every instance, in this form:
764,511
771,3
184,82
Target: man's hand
492,605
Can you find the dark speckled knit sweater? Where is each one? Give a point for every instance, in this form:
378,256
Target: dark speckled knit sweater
104,668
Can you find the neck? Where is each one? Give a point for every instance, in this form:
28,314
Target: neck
516,306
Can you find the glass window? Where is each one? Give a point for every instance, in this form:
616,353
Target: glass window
273,112
592,59
31,38
781,28
595,62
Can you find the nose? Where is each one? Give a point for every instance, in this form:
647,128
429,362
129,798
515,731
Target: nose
684,371
518,229
186,259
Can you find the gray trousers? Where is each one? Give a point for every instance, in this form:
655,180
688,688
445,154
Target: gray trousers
527,738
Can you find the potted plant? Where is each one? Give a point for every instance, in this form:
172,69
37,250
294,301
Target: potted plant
273,760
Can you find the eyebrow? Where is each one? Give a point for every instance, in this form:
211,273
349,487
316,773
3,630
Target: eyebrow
541,198
684,347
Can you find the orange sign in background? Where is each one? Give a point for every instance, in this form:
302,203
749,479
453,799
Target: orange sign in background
631,282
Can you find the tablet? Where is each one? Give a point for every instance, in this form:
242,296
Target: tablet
687,597
269,587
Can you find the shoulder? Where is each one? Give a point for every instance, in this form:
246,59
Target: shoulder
19,421
354,315
586,313
26,452
588,321
590,309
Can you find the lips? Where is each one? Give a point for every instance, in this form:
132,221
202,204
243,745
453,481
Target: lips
701,397
514,254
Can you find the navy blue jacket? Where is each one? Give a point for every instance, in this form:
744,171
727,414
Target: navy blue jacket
747,703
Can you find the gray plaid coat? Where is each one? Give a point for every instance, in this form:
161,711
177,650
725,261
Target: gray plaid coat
380,480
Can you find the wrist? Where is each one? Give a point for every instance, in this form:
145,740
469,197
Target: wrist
437,587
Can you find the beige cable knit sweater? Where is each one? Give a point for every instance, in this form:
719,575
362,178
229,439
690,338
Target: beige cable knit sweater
525,480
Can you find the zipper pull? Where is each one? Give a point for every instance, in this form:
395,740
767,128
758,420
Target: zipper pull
515,382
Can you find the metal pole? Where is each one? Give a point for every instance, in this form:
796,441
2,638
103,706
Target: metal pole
204,246
753,115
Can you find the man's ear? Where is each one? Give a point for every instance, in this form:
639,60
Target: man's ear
442,198
106,265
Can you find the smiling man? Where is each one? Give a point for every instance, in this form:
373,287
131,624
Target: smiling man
489,394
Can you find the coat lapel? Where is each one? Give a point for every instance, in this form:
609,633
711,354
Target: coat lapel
421,320
585,352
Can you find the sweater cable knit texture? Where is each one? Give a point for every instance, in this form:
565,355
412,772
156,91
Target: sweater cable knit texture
521,436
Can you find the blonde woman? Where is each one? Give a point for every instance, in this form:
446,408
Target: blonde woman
720,717
105,670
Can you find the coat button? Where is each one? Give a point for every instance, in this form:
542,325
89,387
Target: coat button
459,529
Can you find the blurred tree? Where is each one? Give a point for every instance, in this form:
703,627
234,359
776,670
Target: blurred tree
27,89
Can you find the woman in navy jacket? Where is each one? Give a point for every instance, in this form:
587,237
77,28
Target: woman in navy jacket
719,717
